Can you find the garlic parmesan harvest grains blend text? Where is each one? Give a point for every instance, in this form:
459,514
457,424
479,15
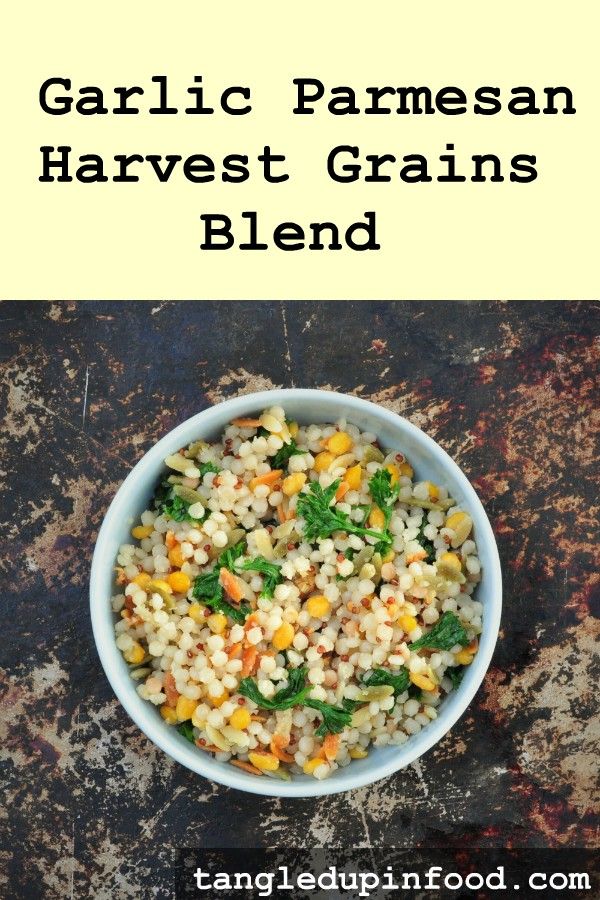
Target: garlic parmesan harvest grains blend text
294,596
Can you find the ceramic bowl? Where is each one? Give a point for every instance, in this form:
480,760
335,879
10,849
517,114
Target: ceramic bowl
429,462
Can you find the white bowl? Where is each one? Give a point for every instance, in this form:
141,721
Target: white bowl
394,432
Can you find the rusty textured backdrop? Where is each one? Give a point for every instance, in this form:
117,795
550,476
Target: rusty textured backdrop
510,390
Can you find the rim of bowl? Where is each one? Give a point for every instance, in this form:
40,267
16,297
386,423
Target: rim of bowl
146,716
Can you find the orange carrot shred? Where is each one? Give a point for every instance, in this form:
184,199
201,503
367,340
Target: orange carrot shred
210,748
171,691
342,490
246,766
246,423
268,478
235,651
249,661
250,622
331,745
278,742
231,584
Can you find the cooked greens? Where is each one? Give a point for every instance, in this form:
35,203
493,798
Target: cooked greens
270,571
207,467
209,590
426,544
283,455
321,519
228,557
187,730
444,635
455,674
385,494
168,503
293,694
398,680
335,718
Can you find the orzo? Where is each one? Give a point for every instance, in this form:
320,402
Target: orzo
294,596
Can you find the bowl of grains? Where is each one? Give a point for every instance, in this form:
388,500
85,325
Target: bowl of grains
295,592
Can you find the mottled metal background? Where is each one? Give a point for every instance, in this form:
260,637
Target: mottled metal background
510,390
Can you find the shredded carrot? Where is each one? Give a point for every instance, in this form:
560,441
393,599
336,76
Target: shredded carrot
277,744
281,754
250,622
246,766
281,513
210,748
342,490
235,651
331,745
170,690
246,423
268,478
257,718
170,539
249,661
231,584
473,646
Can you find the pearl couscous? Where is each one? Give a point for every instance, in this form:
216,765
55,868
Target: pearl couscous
295,597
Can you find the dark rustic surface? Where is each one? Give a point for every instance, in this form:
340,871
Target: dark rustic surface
510,390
